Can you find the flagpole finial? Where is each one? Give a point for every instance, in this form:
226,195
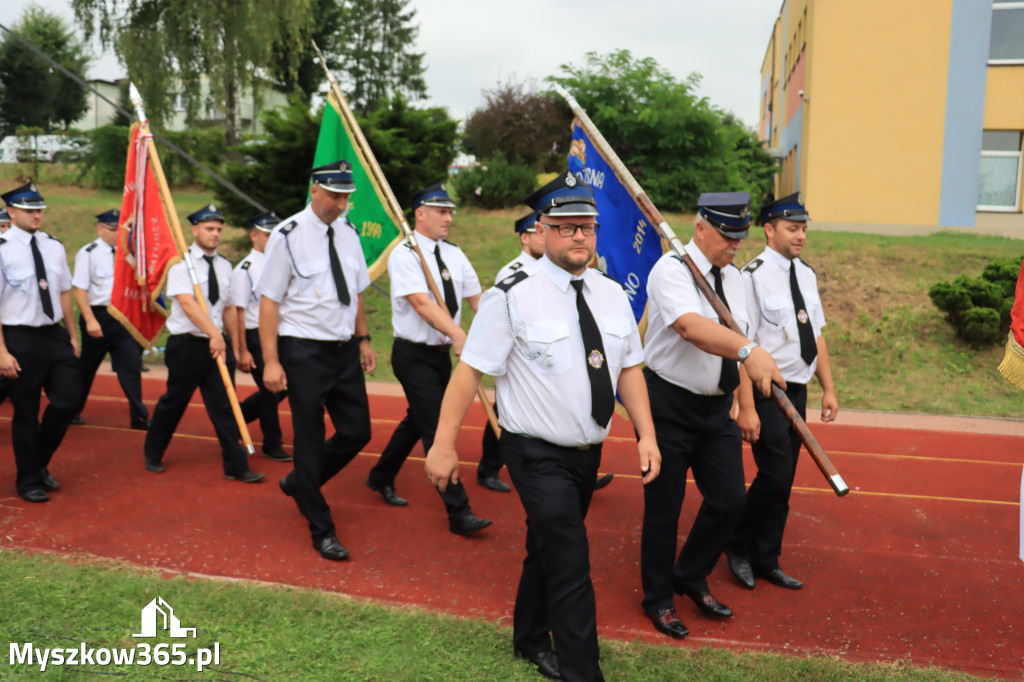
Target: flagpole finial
136,98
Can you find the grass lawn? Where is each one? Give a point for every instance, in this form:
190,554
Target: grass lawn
280,633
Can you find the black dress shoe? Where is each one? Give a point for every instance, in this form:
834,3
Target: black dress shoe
49,482
245,477
467,523
708,604
277,454
330,548
546,662
667,622
77,420
155,467
602,481
776,577
387,493
741,570
145,368
493,483
286,487
34,495
141,424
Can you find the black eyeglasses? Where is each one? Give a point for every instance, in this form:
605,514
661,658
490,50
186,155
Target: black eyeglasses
569,230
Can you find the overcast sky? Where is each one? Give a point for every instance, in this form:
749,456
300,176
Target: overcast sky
471,46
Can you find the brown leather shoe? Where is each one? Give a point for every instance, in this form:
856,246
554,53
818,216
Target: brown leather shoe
667,621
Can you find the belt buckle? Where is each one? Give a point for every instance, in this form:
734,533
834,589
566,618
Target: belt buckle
584,448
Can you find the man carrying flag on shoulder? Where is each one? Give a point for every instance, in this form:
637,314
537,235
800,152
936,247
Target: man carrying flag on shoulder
1012,367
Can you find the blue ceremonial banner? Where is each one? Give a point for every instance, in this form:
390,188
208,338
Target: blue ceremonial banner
627,244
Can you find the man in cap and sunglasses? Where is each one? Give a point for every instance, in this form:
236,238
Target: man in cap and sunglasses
91,286
35,351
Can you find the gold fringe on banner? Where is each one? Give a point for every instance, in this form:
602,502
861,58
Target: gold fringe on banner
1012,366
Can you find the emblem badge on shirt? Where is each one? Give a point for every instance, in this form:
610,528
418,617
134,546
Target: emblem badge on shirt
43,285
445,275
802,316
596,359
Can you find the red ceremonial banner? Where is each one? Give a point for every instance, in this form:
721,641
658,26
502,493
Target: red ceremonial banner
145,248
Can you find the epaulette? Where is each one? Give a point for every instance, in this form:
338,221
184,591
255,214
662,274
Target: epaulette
350,224
511,281
610,277
450,243
287,227
753,265
807,264
224,257
91,246
3,240
246,264
54,239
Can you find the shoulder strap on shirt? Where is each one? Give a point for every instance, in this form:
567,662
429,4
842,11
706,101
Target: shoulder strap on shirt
288,227
610,277
245,264
511,281
806,263
753,265
91,246
449,243
54,239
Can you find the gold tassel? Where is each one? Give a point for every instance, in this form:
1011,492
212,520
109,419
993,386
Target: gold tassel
1012,366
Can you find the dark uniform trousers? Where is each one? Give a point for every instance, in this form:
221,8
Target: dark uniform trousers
423,372
556,595
48,363
262,404
323,374
693,432
758,534
190,366
490,454
125,357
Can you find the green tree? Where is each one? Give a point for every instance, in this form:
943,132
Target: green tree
675,143
377,63
33,93
209,51
520,124
327,28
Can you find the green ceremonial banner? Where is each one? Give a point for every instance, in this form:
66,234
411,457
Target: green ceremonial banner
376,223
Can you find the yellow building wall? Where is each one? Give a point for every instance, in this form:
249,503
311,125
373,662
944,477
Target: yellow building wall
874,126
1004,98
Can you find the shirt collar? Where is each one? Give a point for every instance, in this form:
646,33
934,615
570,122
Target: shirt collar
426,242
23,236
776,258
560,276
197,252
699,259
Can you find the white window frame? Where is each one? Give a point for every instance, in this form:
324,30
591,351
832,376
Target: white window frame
997,8
1020,167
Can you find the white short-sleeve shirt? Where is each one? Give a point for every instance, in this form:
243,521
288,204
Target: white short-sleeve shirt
179,282
20,303
297,275
406,274
671,293
243,287
520,262
548,396
94,271
773,316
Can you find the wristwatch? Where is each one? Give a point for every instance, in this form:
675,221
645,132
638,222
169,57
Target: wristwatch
746,350
360,339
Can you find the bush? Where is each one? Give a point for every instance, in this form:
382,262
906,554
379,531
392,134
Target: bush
496,183
979,307
107,156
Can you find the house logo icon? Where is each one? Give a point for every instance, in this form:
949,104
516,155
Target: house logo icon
159,610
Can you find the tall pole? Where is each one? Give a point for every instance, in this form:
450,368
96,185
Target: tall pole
179,242
396,209
818,454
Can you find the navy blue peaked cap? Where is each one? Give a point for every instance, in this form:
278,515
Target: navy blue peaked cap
566,195
208,212
26,196
264,222
334,177
528,223
4,216
790,207
435,195
727,212
110,217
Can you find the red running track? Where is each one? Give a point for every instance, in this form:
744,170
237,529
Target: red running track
918,563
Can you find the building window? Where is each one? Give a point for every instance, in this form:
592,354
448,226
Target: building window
1006,45
999,185
179,102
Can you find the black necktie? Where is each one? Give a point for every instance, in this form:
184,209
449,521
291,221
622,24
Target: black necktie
113,250
213,289
808,348
729,379
339,276
44,286
602,396
449,286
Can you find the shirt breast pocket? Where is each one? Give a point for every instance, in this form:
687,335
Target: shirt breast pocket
20,278
102,275
549,341
778,310
313,280
616,334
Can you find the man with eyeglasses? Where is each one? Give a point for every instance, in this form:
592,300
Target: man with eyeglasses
692,376
559,338
35,351
314,340
91,286
424,333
